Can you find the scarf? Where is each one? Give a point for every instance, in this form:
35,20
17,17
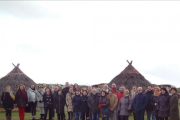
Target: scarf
23,94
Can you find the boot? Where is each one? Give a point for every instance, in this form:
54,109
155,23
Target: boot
9,117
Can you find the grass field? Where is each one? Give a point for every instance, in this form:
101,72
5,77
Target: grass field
15,116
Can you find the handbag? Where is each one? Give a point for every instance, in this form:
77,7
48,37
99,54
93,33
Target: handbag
105,109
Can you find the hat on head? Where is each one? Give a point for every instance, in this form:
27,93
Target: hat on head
174,89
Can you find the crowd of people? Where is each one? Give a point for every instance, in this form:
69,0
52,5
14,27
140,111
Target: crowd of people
110,103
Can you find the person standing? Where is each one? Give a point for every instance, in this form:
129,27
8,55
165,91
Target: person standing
154,101
59,105
21,100
56,88
7,100
69,98
93,103
40,102
103,102
48,103
139,104
133,94
149,108
76,102
84,106
114,89
163,105
174,108
125,106
105,88
32,99
113,103
76,86
65,90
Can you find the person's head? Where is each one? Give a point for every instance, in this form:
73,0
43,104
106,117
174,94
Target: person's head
110,92
139,89
8,88
40,87
59,92
134,88
149,87
164,90
21,87
48,90
113,85
89,88
77,91
56,88
103,93
32,86
156,90
105,87
84,92
70,89
75,85
67,84
94,91
122,88
126,92
173,91
51,86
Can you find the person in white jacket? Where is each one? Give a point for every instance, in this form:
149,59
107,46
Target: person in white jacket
32,99
40,102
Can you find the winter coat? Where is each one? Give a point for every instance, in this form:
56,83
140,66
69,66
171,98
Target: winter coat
69,98
84,104
154,99
113,101
125,106
7,101
163,105
76,102
105,101
93,103
115,90
119,95
174,110
40,102
19,100
48,100
149,95
60,103
65,91
32,95
55,94
140,102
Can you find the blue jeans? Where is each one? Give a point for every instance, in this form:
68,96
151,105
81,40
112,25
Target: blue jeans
149,114
77,115
95,116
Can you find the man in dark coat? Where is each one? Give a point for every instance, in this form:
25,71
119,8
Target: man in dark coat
84,106
66,89
93,103
76,102
149,108
55,94
174,110
139,104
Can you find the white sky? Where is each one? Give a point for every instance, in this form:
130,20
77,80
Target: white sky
89,42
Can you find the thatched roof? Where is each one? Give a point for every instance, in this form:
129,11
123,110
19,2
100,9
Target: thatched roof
14,79
130,77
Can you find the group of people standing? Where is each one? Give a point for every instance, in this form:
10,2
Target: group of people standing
109,104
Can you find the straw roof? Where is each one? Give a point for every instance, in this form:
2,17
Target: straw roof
130,77
14,79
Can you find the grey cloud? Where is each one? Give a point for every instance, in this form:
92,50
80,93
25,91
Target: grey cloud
26,10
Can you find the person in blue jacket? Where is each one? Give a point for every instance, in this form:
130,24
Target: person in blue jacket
76,102
140,103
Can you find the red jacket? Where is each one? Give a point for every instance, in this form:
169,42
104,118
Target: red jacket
114,90
119,95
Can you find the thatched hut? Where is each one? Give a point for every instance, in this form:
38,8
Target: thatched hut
130,77
14,79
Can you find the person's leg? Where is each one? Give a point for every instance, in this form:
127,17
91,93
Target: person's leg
58,116
153,115
93,116
50,113
148,115
111,116
103,118
115,114
19,110
97,116
45,115
79,115
134,115
69,115
82,115
166,118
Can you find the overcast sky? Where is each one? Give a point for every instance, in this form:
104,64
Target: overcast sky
89,42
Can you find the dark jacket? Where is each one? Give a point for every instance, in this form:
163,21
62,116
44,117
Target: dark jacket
84,104
140,102
48,100
163,105
154,100
65,91
93,103
105,101
7,101
76,102
174,110
149,95
55,94
20,100
60,103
